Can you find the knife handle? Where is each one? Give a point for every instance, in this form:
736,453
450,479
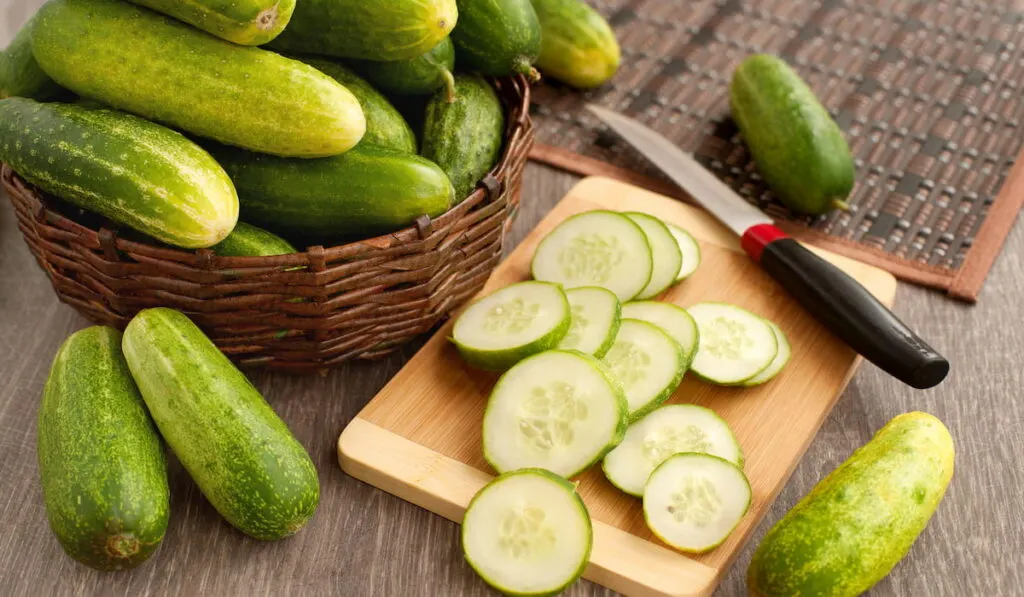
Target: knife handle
846,308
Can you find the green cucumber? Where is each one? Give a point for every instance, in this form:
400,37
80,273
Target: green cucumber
578,46
421,75
780,360
498,38
146,63
668,258
247,240
390,30
369,190
385,126
799,150
20,74
859,521
101,462
648,363
237,450
689,248
125,168
734,345
596,316
244,22
464,136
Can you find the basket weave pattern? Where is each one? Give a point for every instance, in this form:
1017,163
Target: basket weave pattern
303,312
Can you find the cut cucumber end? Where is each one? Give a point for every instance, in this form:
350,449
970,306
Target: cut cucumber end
673,319
596,314
777,364
648,364
734,345
668,258
690,249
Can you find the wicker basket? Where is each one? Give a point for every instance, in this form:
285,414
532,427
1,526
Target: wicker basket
302,312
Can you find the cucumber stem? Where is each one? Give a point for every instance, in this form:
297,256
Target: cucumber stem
449,84
524,66
840,204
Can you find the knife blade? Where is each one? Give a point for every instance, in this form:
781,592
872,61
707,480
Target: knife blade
835,299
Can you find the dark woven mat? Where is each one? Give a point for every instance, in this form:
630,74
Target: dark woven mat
928,94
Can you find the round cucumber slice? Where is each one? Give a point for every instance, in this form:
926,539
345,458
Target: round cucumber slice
668,258
511,324
780,360
558,410
734,344
596,313
648,363
527,532
675,320
596,248
690,249
694,501
667,431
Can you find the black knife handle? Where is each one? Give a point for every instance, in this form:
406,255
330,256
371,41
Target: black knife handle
853,314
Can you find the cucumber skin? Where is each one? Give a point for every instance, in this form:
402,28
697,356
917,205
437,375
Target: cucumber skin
20,74
578,46
161,69
369,190
799,150
782,340
368,29
237,450
862,519
247,240
464,137
498,38
421,75
385,126
244,22
128,169
612,333
101,461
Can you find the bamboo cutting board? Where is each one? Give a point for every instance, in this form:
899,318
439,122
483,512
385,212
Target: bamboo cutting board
419,438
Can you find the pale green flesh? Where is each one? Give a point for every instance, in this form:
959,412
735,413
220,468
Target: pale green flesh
668,259
690,249
780,360
735,345
647,362
674,320
596,314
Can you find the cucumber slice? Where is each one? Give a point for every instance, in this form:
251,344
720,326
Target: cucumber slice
694,501
648,363
559,410
780,360
668,258
734,344
690,249
667,431
675,320
527,532
596,313
515,322
596,248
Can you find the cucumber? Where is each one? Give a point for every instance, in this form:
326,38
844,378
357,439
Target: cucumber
527,532
385,127
799,150
101,462
240,454
596,315
780,360
734,344
648,363
464,136
498,38
860,520
578,46
666,431
389,30
247,240
244,22
596,248
511,324
420,75
130,170
668,258
690,250
369,190
156,67
20,74
558,410
693,501
673,320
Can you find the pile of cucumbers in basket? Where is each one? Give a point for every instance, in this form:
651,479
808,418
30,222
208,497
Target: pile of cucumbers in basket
319,121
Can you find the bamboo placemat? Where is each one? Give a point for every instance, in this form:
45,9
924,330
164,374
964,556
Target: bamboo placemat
928,94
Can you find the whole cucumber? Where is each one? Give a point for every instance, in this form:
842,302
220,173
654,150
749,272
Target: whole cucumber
20,74
578,46
237,450
101,462
244,22
497,37
247,240
861,519
799,150
421,75
146,63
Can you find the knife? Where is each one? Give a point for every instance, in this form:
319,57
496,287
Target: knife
835,299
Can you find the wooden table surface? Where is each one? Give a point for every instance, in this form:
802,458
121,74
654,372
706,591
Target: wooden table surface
363,541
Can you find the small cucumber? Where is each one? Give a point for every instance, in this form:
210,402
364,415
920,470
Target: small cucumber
20,74
859,521
690,249
668,259
101,462
578,46
799,150
596,315
673,320
237,450
464,136
244,22
734,344
421,75
648,363
247,240
780,360
498,38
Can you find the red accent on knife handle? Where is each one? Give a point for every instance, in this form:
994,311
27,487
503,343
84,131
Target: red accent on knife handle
756,238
